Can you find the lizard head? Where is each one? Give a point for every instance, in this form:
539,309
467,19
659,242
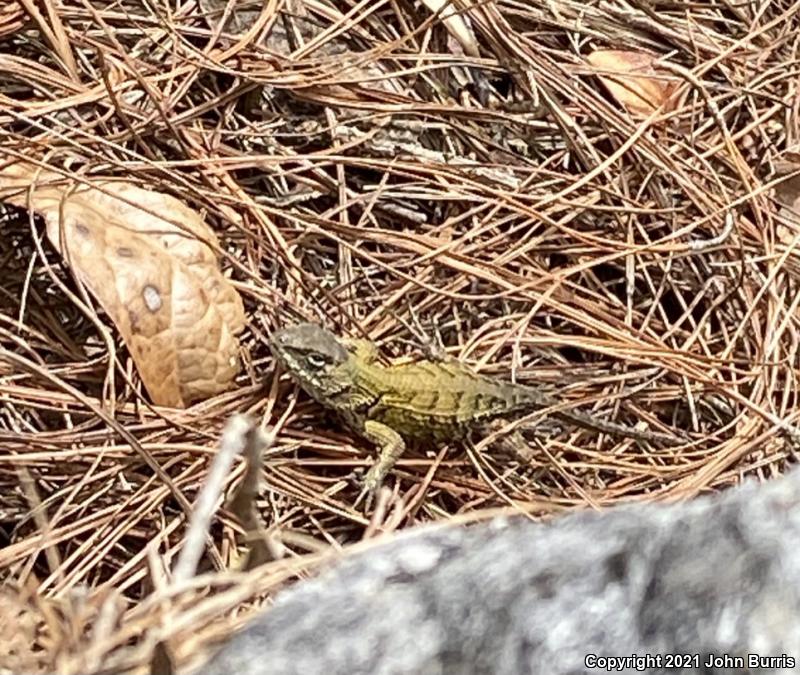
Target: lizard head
314,357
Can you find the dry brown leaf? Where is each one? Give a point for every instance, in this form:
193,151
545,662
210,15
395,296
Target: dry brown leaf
640,86
159,283
787,194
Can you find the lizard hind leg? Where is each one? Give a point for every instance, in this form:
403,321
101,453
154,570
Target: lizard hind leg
391,446
514,444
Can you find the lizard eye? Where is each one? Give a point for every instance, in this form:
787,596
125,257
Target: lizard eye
316,361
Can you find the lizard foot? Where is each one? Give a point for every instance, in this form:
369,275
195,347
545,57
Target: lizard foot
369,488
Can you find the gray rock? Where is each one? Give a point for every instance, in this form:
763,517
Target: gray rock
716,576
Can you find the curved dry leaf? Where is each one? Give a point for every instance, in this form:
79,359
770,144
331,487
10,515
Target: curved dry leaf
159,283
787,194
640,86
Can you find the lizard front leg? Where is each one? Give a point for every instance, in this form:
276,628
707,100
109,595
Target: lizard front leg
391,446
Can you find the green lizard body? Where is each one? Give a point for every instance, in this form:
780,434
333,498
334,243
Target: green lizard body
432,400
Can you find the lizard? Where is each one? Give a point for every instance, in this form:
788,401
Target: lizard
423,400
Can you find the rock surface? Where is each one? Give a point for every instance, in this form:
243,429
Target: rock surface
716,576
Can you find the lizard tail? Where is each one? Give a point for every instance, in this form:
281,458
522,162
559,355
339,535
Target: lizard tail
596,424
